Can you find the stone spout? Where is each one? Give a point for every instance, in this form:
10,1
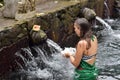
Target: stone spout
89,13
37,35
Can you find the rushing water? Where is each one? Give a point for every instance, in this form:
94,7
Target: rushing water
49,64
107,30
108,59
45,62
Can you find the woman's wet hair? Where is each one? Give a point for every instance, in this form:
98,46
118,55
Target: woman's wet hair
85,29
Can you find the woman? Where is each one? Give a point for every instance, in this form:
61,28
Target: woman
86,49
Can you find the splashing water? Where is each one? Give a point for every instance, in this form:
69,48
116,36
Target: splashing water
48,65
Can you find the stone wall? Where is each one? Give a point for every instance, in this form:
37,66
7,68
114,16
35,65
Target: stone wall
9,36
8,58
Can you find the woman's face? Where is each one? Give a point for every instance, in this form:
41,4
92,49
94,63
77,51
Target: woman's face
77,29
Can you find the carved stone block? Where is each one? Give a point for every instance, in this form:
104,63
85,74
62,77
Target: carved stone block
10,8
18,6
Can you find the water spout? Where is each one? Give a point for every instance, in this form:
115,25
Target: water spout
107,28
107,13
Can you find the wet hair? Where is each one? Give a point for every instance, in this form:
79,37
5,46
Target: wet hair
85,30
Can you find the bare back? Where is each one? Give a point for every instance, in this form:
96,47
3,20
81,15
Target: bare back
91,51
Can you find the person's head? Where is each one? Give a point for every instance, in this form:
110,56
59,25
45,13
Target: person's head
82,27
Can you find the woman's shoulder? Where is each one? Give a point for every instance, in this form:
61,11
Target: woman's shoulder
82,43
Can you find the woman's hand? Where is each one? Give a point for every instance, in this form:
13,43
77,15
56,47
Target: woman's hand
67,55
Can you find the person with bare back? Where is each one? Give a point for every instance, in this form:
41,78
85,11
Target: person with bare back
86,51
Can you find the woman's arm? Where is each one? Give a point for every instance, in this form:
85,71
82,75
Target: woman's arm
75,60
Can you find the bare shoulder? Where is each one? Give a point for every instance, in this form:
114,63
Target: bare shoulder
82,43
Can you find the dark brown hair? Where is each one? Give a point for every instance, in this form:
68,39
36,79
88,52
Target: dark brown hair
85,29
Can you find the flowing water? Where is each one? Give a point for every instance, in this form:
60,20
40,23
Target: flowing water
48,65
107,30
108,59
107,10
45,62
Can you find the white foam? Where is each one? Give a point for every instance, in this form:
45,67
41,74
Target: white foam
117,35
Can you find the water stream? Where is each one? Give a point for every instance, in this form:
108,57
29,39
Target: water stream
107,30
107,10
48,65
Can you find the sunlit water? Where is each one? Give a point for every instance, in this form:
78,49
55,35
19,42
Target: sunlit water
49,64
